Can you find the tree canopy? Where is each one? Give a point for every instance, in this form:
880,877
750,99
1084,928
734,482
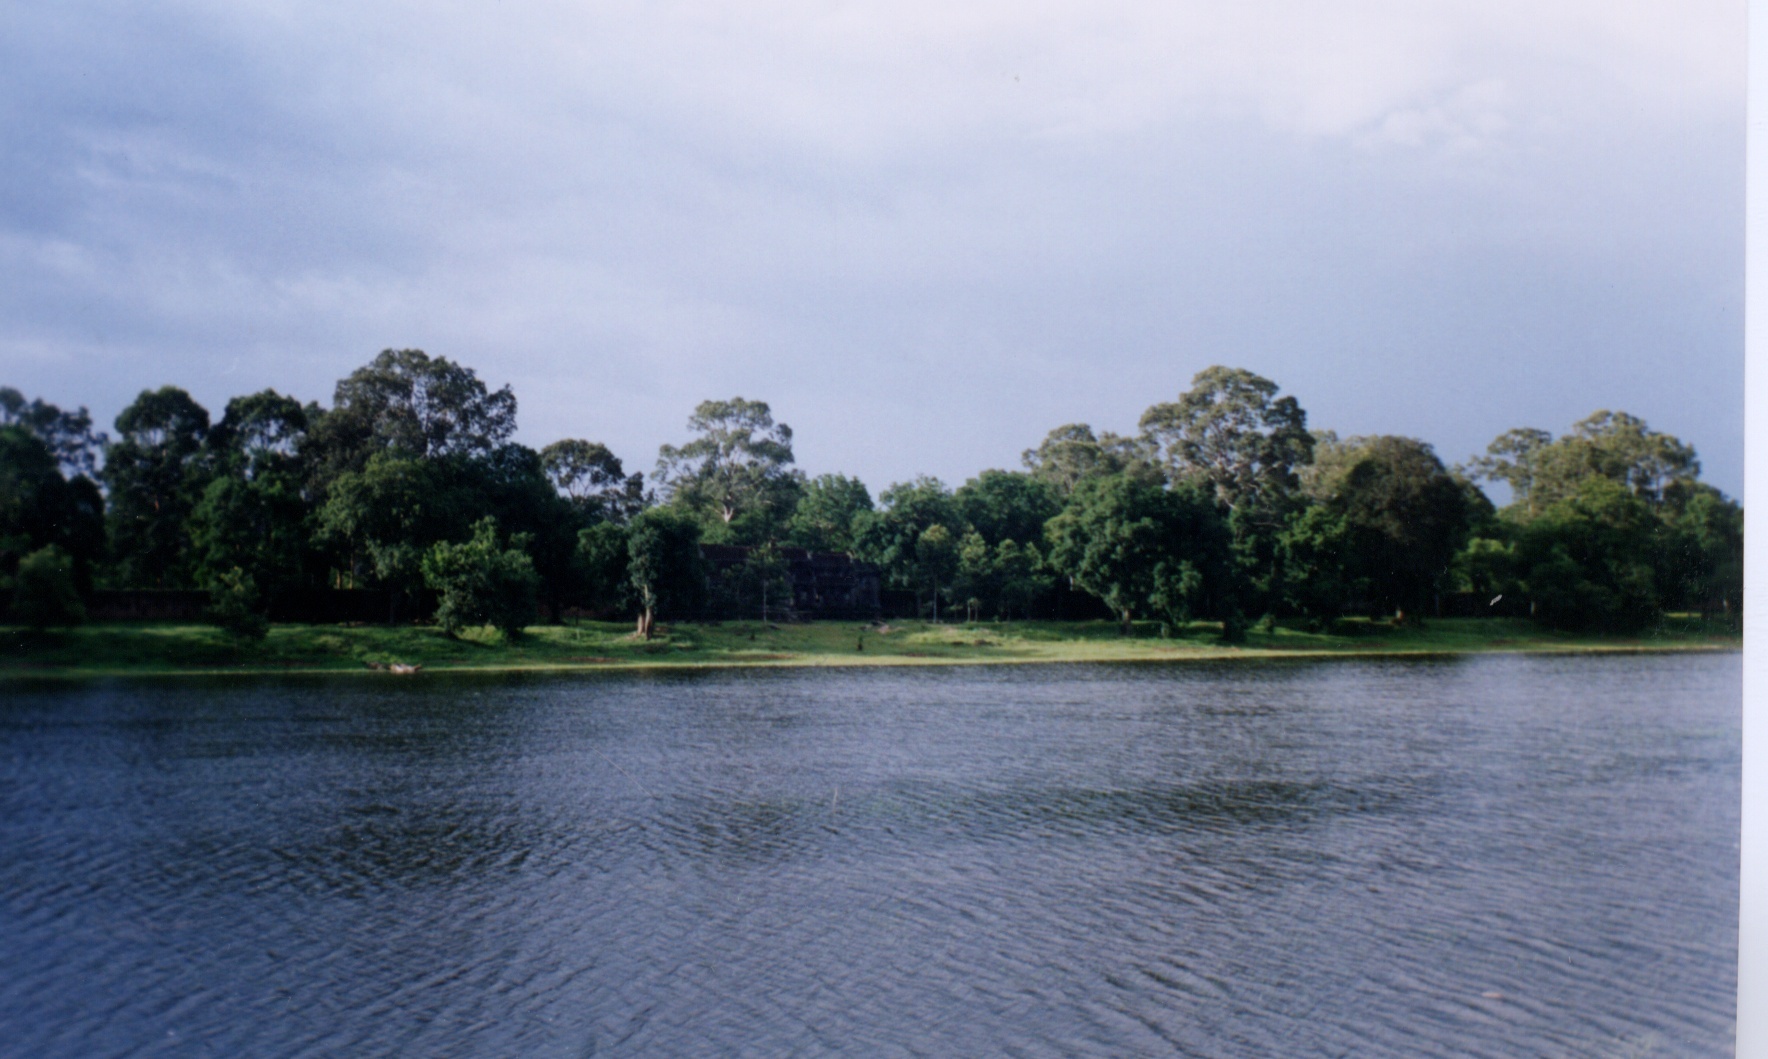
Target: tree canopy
828,512
1542,470
153,474
1231,433
1142,549
1224,505
739,462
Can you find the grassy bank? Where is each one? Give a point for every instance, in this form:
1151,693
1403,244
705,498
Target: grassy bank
149,648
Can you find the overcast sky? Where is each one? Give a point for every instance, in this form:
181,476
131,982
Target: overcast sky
925,233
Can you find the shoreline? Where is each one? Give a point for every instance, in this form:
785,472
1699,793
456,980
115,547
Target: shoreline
149,650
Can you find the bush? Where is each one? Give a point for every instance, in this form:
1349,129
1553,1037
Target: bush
482,584
43,590
234,605
1234,628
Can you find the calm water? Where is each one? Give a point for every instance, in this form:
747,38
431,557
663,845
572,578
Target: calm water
1501,856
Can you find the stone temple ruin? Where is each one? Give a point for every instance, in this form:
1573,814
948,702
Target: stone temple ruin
824,585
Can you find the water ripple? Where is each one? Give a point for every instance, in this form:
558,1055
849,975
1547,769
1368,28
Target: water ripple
1491,858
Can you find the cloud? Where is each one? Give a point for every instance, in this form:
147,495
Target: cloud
1061,210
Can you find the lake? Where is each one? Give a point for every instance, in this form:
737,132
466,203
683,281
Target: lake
1491,856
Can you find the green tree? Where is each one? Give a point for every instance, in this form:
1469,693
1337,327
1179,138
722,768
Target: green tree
1019,577
514,487
69,435
890,536
253,515
1000,580
826,514
257,525
43,590
1404,515
664,565
1072,453
601,566
1007,505
1586,559
264,433
1231,433
1702,560
739,464
1541,470
1320,573
1124,541
1235,438
409,403
382,519
39,508
762,579
155,474
935,563
975,584
1486,566
235,605
594,480
479,582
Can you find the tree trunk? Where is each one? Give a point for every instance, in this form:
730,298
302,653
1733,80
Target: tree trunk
646,620
1125,627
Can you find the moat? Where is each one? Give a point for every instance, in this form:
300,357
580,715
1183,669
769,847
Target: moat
1497,855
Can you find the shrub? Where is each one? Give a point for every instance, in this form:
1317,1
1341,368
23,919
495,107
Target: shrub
480,583
234,605
43,590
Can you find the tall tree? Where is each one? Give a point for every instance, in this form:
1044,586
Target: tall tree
740,462
263,433
419,406
974,584
1232,433
1233,436
1404,514
664,565
252,515
999,580
41,509
1072,453
516,489
69,435
936,563
1541,470
1019,577
154,471
593,479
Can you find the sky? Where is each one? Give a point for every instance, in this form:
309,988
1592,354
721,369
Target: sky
926,234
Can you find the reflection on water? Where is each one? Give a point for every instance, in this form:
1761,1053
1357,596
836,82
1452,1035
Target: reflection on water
1489,857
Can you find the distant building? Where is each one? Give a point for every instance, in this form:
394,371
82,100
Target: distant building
824,585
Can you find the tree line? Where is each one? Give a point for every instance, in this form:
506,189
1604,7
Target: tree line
1223,506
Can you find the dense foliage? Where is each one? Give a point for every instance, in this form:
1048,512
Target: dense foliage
1224,506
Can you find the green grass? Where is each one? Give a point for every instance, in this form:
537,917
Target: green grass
150,647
